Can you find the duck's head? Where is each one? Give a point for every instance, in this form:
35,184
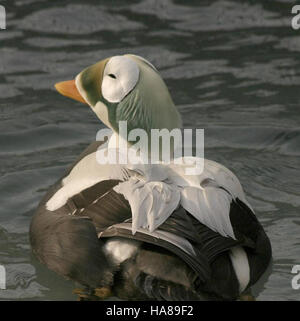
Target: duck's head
125,88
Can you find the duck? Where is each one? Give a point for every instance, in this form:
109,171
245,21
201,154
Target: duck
142,231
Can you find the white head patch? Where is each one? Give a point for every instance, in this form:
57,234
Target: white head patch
119,77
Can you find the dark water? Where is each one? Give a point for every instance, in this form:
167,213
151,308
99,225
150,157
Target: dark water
232,68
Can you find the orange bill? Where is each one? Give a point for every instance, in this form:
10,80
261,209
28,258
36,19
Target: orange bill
69,89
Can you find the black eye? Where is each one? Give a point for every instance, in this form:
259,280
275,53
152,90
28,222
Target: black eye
112,76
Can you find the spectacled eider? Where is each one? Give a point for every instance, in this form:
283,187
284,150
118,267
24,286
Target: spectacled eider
146,231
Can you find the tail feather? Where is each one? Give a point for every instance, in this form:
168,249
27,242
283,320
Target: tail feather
162,290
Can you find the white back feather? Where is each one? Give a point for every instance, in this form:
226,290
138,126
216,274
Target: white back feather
151,202
210,206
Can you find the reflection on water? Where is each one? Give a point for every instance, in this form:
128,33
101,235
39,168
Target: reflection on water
232,68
